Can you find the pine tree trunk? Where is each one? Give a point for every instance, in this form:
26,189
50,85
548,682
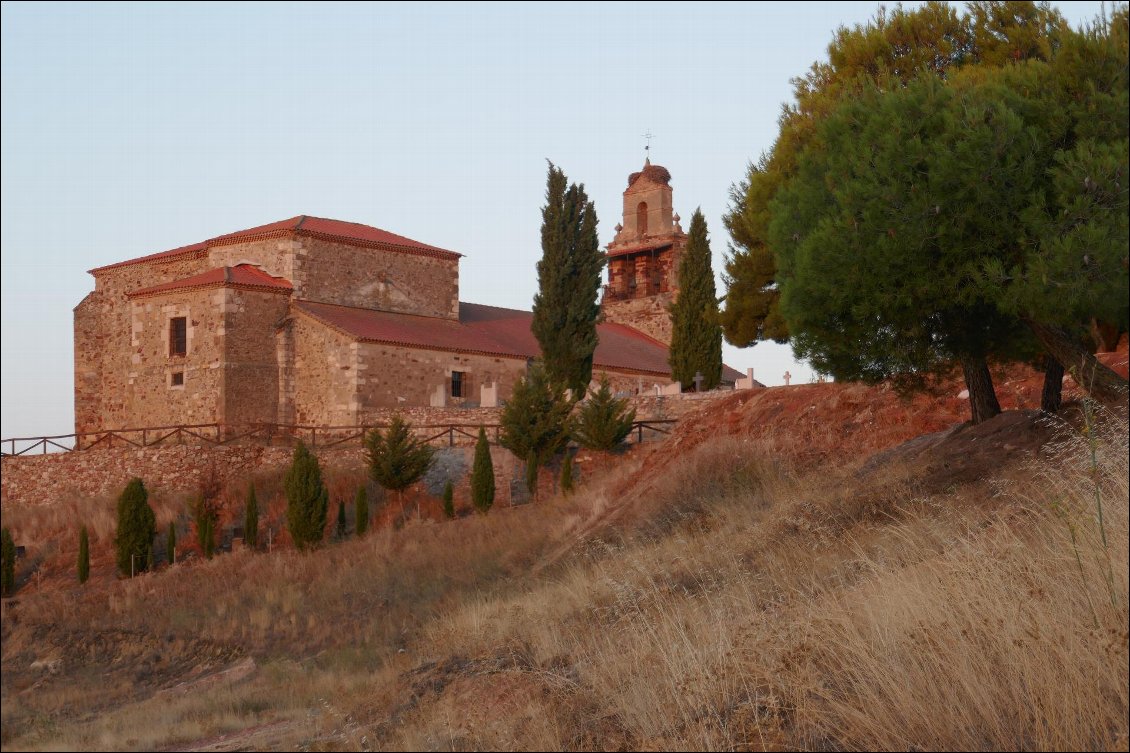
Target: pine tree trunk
982,397
1096,379
1052,396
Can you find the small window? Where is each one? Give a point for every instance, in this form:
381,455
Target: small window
457,384
178,336
177,379
641,218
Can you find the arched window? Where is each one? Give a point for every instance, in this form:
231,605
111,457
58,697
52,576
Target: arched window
641,218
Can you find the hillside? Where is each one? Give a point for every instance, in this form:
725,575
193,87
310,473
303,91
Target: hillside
823,566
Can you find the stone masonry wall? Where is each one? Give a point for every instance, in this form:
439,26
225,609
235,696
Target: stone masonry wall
648,315
151,398
378,279
391,376
325,374
251,368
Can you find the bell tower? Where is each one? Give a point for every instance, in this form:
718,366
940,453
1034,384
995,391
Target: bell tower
643,258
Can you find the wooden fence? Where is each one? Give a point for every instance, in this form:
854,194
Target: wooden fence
315,437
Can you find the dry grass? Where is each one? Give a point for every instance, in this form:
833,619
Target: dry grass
730,604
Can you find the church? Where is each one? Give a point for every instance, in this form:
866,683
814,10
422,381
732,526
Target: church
323,322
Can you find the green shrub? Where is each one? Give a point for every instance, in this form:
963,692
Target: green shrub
83,555
603,420
251,520
567,474
307,499
397,459
136,527
7,563
361,511
341,524
482,475
448,501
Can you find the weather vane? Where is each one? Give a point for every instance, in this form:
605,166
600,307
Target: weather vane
649,137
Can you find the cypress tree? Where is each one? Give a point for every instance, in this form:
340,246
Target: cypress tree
7,563
397,459
448,501
532,463
567,474
361,511
696,336
603,420
83,555
565,307
251,519
482,475
205,527
136,528
307,499
341,527
171,544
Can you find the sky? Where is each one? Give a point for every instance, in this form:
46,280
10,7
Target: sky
128,129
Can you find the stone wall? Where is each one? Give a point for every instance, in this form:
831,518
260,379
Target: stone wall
151,398
648,315
378,279
392,376
325,374
251,368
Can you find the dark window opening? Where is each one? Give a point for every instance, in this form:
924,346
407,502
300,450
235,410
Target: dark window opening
178,336
178,379
457,384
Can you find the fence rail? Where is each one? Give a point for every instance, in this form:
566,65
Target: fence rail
315,437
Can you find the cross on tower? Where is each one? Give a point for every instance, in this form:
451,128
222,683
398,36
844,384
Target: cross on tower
649,137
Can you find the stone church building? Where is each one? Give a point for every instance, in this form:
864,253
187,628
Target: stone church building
322,322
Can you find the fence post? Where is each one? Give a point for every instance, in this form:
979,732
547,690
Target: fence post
450,436
639,429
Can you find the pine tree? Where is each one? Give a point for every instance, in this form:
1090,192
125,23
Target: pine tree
535,421
171,543
482,475
565,307
251,520
397,459
567,474
136,528
7,563
603,420
532,464
83,555
341,523
307,499
696,336
448,501
361,511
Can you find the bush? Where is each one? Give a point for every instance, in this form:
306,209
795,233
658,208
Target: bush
482,475
136,527
83,555
341,525
7,563
251,520
535,421
361,511
448,501
206,517
397,459
567,474
603,421
171,544
307,499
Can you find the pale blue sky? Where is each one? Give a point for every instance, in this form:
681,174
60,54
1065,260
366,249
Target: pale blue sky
129,129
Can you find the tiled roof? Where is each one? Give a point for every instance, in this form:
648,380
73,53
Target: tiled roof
491,330
351,233
239,276
635,249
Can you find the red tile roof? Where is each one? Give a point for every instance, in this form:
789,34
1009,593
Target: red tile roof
491,330
246,276
639,249
351,233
